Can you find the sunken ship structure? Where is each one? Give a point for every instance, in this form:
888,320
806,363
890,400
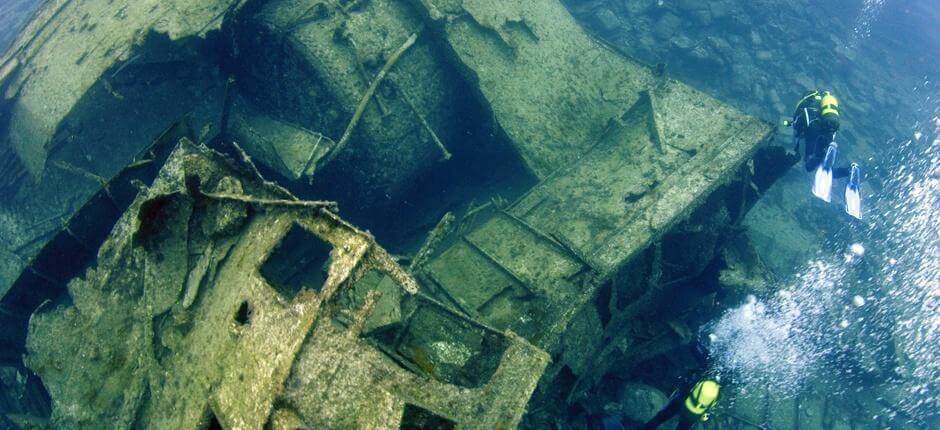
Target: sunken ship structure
188,244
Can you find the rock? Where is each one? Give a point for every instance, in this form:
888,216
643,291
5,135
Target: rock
804,81
606,20
720,45
636,7
764,55
700,53
748,403
846,52
667,26
741,21
682,43
780,108
741,75
720,9
702,17
640,402
879,96
773,96
810,415
755,38
692,5
782,413
840,422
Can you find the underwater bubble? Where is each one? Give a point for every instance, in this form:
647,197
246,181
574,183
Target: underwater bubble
857,249
858,301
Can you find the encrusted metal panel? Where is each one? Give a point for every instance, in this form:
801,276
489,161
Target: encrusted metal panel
653,166
550,86
204,336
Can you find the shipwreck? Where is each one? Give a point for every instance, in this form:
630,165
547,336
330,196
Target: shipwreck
170,285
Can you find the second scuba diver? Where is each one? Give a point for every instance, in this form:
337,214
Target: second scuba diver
694,397
815,123
690,405
692,400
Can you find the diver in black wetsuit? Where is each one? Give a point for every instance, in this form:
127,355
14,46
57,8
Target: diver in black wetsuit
815,123
693,398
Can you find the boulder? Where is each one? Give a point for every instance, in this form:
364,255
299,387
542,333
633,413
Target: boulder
667,26
640,402
720,45
721,9
606,20
636,7
692,5
682,43
703,17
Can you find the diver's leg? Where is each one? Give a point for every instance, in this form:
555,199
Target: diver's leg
685,423
812,163
841,172
810,157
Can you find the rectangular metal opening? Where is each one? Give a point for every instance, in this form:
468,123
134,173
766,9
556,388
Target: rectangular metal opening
418,418
299,261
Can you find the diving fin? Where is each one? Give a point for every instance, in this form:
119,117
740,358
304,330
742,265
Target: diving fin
822,183
853,200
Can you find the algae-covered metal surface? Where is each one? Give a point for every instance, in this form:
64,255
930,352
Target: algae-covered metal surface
241,306
85,88
68,47
546,253
552,88
220,321
312,63
623,155
651,169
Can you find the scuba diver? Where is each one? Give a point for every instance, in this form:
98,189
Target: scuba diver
815,123
691,401
691,405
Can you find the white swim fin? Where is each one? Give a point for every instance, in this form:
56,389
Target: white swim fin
853,199
822,183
